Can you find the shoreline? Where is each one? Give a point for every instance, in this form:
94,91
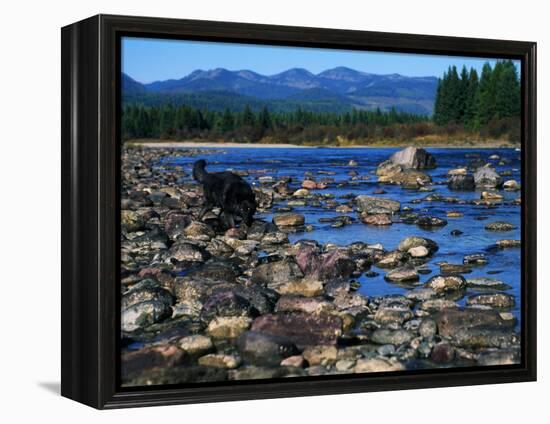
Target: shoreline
208,145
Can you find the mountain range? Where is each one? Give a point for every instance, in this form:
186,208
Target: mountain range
334,90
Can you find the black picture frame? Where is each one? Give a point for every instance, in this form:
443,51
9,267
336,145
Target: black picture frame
90,208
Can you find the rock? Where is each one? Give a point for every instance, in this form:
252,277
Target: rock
188,252
293,361
302,329
412,242
302,192
199,231
174,224
196,345
491,196
434,305
228,327
308,305
495,300
408,179
227,304
264,198
418,252
377,365
444,284
145,290
289,220
344,209
163,356
461,182
344,365
421,294
402,274
334,265
386,350
242,247
481,337
494,157
144,314
388,168
352,162
443,353
320,355
413,158
450,269
430,221
131,221
511,185
450,321
395,337
486,176
457,171
304,287
264,349
309,184
217,247
391,260
454,214
475,259
456,233
275,274
380,219
189,308
219,361
508,243
398,315
427,328
487,283
376,205
500,226
275,238
499,357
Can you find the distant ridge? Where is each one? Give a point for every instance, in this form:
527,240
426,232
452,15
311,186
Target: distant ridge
295,87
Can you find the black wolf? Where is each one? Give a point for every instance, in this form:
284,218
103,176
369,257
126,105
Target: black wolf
227,191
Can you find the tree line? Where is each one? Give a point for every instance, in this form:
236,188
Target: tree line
478,101
180,122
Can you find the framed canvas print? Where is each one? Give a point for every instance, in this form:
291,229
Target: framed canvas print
255,211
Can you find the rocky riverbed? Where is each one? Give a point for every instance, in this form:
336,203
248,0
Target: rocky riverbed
290,296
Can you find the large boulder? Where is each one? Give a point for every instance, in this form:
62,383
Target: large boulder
413,158
487,177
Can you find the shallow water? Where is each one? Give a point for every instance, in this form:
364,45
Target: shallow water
503,264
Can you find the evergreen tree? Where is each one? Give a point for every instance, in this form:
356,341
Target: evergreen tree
485,97
248,117
470,107
507,91
265,118
227,121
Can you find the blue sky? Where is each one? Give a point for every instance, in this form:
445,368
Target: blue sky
148,60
